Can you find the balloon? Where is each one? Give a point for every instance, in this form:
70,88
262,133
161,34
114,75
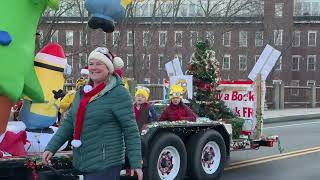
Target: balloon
19,20
50,64
105,12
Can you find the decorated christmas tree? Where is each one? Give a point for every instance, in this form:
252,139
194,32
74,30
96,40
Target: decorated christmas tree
206,74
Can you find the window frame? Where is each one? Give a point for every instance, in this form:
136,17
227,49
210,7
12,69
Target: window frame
223,62
315,38
175,38
299,58
243,40
314,63
246,62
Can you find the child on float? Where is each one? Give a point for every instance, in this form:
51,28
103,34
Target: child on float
177,110
144,111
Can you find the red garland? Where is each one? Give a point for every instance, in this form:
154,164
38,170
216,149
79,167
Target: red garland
33,166
204,86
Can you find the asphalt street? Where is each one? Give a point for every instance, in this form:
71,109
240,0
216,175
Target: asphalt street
299,160
294,136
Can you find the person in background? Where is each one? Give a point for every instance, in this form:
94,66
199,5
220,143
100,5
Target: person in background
101,123
177,110
67,100
144,111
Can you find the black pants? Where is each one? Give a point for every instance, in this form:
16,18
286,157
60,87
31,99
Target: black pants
112,173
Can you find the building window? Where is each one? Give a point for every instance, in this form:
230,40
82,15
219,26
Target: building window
277,34
179,56
295,62
193,38
146,80
226,62
278,10
146,61
162,38
54,37
161,61
192,10
115,38
278,65
83,38
210,37
311,8
183,10
312,38
178,38
311,62
259,38
311,83
294,91
226,39
243,38
256,58
130,38
69,38
129,61
242,62
82,60
69,80
70,59
296,39
277,81
146,38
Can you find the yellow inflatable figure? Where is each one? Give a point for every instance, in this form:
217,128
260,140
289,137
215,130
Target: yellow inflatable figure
69,97
50,64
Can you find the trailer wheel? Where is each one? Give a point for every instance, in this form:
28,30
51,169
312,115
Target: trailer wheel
167,158
206,155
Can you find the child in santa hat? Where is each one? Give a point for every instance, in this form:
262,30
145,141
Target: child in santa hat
144,111
177,110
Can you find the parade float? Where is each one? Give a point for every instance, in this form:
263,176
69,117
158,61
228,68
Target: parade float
171,150
230,119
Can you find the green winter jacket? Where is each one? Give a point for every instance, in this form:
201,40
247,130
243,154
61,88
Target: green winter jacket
109,126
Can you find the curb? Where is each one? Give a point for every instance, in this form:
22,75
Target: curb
291,118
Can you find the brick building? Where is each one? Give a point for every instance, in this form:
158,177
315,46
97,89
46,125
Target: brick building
147,42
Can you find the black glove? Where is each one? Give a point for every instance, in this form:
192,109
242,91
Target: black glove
58,94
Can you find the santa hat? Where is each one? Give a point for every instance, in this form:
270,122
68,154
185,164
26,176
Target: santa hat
104,55
84,71
51,57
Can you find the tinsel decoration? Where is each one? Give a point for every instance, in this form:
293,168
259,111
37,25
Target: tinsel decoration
58,162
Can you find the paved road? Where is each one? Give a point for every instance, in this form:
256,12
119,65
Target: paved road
294,137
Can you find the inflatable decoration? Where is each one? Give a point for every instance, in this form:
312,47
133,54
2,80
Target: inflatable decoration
19,20
17,141
14,141
105,12
50,63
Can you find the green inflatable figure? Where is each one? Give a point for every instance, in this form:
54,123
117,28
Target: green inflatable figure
18,24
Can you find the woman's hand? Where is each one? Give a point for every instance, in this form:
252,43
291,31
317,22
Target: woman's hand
139,173
46,156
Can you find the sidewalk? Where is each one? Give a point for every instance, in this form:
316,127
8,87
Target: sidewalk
272,116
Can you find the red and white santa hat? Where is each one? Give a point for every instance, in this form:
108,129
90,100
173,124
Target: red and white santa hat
108,58
51,56
84,71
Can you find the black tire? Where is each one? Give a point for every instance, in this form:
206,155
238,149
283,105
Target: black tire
195,146
160,143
